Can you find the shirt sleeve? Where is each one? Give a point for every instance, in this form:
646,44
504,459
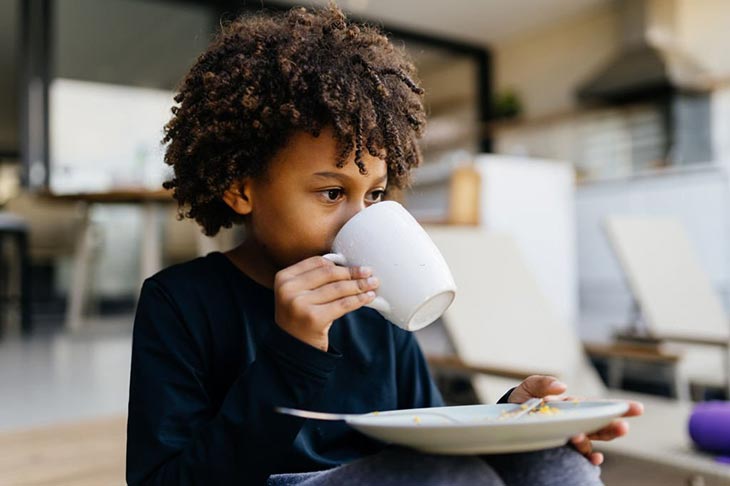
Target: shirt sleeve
416,388
174,433
505,397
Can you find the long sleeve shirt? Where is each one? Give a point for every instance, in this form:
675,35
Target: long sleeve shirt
209,365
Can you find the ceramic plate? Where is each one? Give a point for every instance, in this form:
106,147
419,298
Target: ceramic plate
482,429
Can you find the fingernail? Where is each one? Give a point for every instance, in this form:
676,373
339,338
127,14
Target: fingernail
558,384
372,281
365,271
370,294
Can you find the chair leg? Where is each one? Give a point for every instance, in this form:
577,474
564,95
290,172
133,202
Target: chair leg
681,386
615,376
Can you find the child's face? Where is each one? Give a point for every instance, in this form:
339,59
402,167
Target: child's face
303,200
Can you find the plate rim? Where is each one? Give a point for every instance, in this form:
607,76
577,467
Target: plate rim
621,406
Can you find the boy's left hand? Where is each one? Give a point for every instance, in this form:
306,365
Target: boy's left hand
549,388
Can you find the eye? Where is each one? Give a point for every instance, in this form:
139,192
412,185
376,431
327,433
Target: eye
377,195
332,195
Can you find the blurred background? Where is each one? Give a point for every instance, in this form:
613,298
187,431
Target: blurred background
593,135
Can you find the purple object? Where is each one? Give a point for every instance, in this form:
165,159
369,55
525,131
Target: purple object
709,427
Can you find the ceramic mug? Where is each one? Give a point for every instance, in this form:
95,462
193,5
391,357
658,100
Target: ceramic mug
416,285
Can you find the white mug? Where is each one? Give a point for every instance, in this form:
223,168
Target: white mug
416,285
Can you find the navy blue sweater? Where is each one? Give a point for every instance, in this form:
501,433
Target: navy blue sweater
209,365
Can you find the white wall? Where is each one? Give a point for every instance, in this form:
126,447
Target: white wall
547,65
533,201
703,31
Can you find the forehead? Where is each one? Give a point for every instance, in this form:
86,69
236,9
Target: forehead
305,155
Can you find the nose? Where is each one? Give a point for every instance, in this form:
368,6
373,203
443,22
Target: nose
355,207
350,210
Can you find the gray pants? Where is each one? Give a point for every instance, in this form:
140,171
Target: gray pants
561,466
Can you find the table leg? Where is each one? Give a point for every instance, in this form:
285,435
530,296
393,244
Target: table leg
80,274
151,255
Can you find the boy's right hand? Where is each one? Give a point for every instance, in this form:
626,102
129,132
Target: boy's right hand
311,294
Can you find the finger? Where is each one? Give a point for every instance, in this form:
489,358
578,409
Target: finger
596,458
541,386
617,428
338,308
563,398
302,267
309,264
322,275
555,398
585,448
635,409
337,290
582,444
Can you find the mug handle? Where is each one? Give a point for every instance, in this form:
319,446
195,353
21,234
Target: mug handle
336,258
379,304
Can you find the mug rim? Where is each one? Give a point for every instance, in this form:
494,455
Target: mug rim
450,290
383,203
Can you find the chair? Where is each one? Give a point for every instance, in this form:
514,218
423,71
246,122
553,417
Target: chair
503,329
674,297
54,228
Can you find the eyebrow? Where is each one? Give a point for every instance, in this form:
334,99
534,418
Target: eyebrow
342,177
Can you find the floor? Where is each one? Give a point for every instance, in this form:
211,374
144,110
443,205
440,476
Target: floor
59,377
87,453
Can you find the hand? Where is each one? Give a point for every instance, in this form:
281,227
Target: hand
550,389
616,428
311,294
537,386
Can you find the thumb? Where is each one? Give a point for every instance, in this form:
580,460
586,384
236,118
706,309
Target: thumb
540,386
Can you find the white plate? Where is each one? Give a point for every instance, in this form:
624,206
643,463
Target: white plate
482,431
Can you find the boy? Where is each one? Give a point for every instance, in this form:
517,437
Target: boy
290,125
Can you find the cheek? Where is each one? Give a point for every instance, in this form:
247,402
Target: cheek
293,233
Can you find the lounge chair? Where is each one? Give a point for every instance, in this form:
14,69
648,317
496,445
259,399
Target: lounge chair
675,301
502,329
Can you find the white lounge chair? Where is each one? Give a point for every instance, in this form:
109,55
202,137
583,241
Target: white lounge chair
502,328
673,296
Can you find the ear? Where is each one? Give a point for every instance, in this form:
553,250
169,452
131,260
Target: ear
238,196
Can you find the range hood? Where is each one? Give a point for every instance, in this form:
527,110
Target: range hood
647,66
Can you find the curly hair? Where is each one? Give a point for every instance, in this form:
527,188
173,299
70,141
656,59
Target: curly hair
265,76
